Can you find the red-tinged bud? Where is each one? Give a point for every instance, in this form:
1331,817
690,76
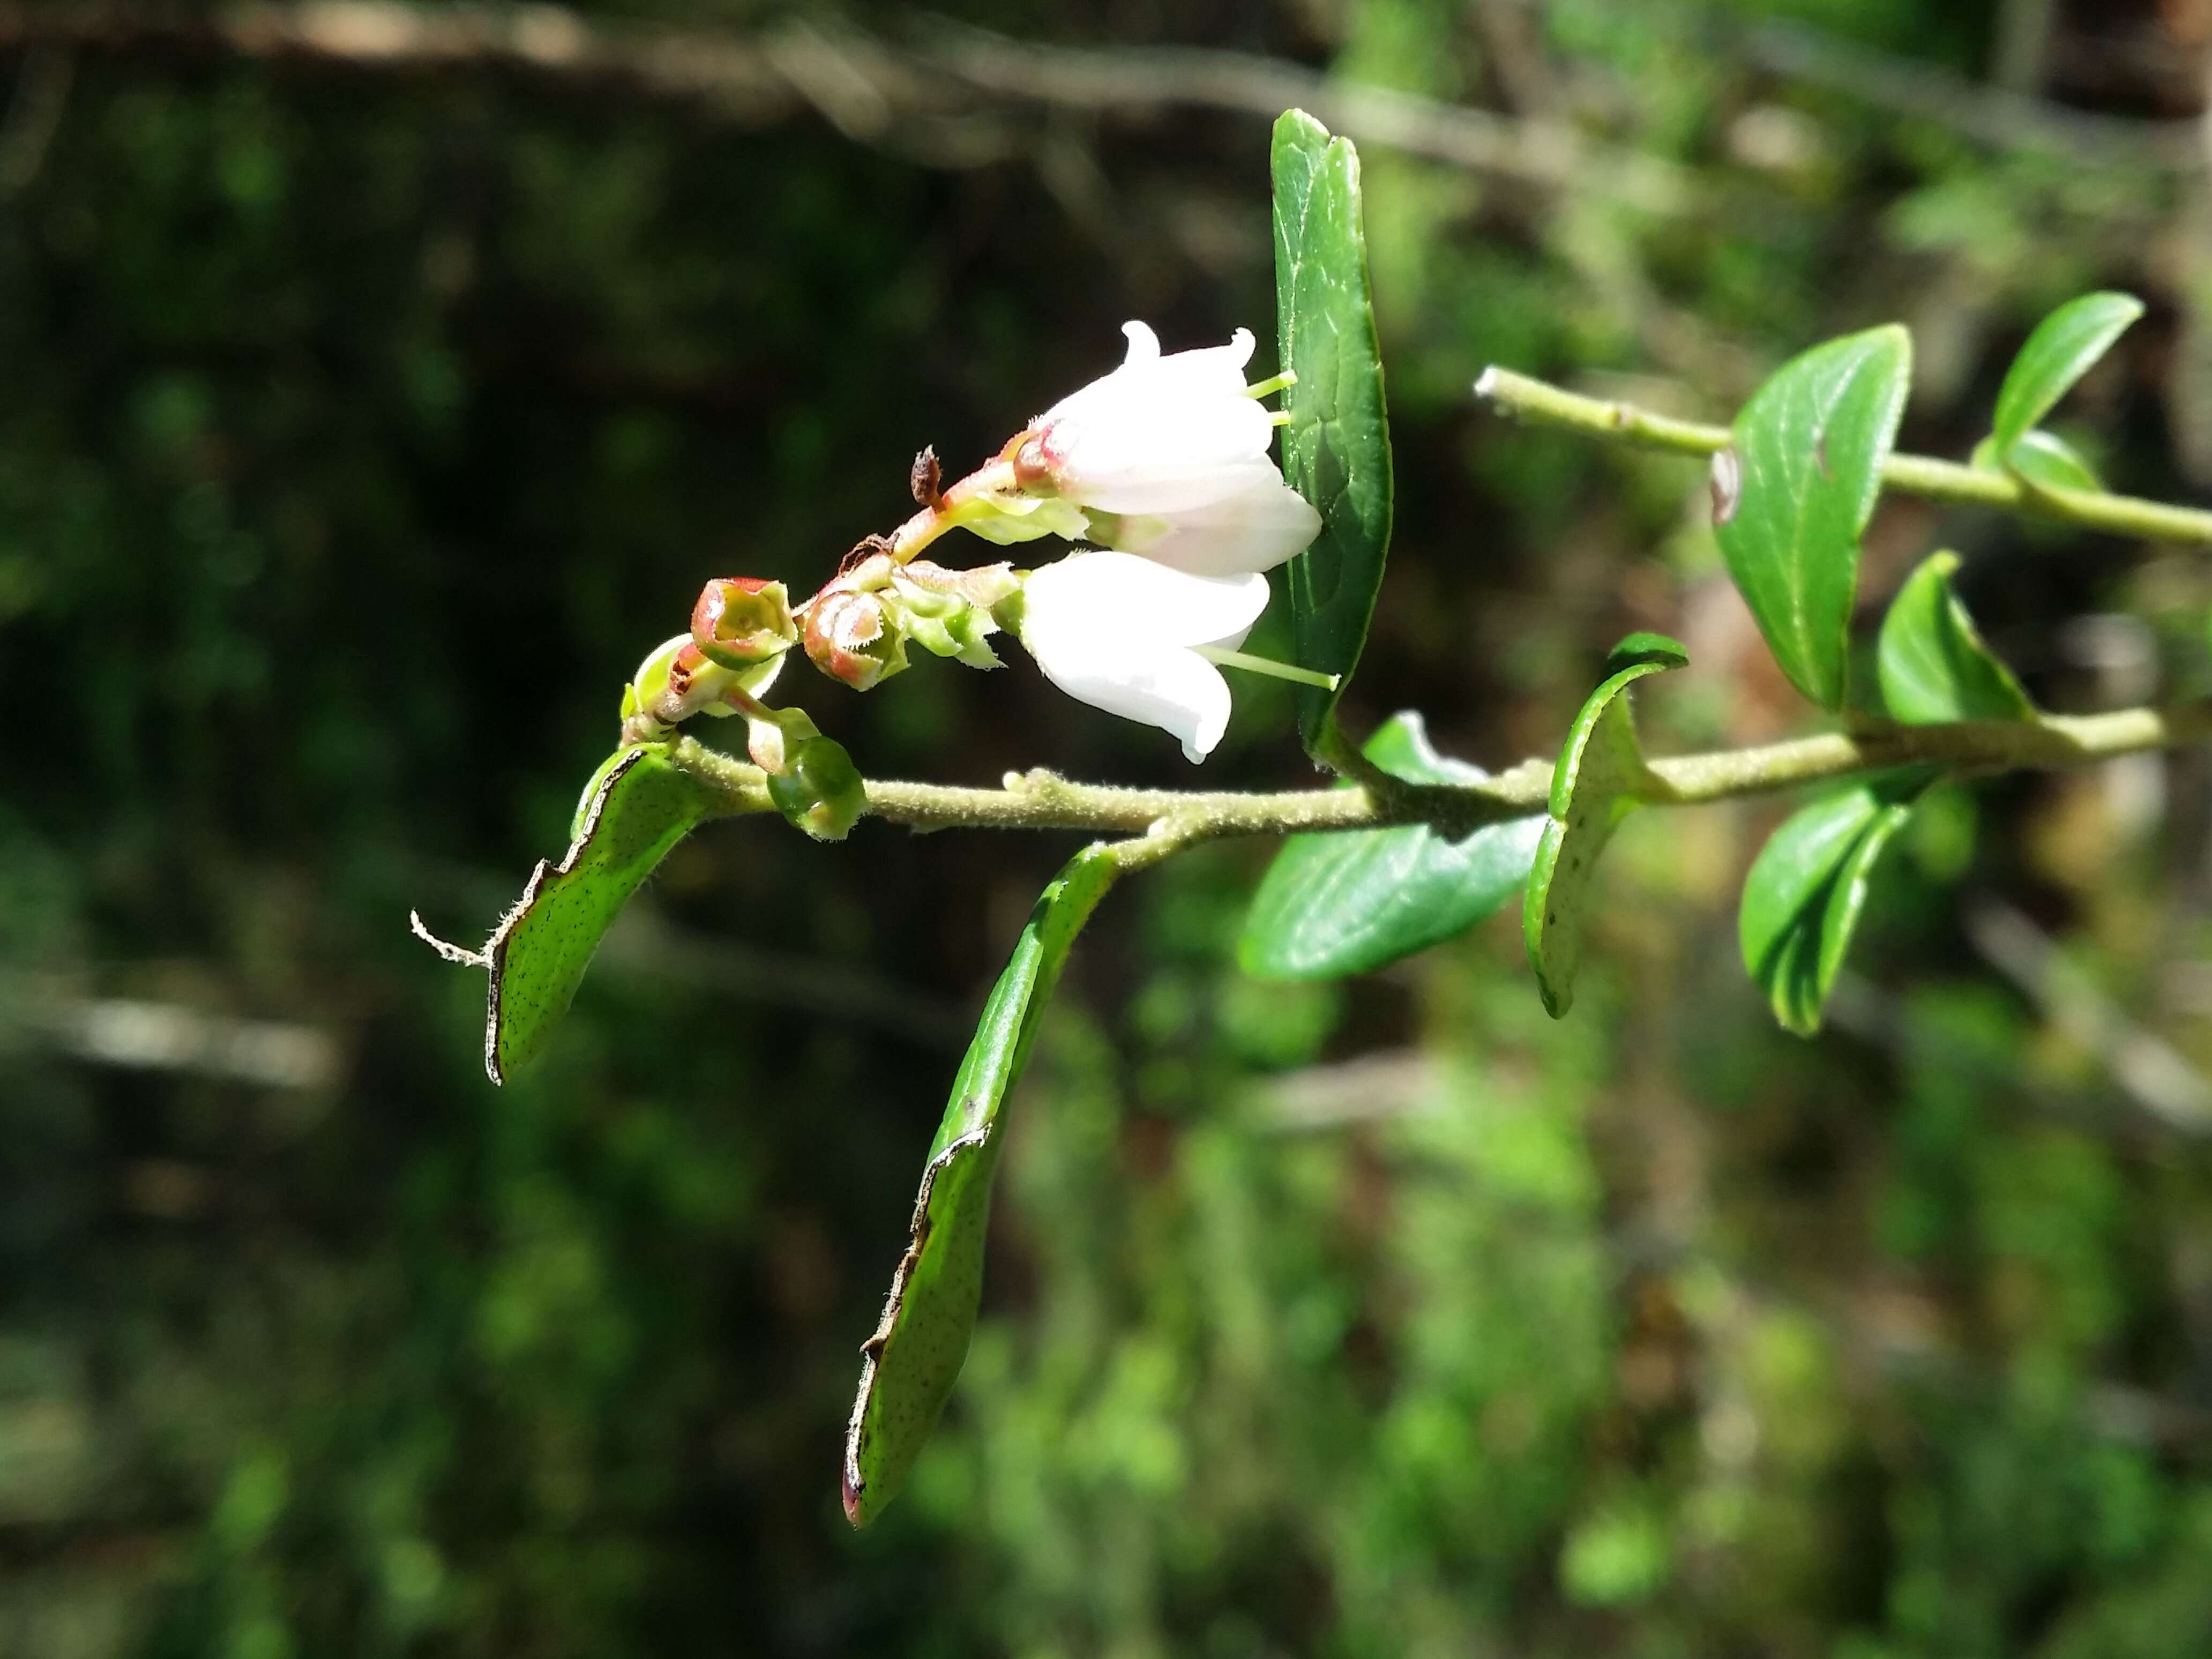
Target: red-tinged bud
677,681
1032,466
683,681
819,790
850,637
743,620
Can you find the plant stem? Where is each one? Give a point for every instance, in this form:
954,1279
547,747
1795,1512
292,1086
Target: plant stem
1525,398
1268,667
1043,800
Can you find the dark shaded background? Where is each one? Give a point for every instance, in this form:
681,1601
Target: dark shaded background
376,387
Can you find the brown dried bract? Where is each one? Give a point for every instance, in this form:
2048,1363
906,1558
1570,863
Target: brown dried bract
925,478
864,550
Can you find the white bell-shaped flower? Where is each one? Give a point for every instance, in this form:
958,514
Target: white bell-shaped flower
1121,632
1256,529
1159,435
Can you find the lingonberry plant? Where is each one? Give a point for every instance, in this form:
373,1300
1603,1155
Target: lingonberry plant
1162,471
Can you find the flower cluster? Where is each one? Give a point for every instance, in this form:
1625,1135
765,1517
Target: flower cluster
1167,457
1159,471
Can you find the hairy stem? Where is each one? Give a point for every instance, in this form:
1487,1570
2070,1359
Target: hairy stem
1043,800
1525,398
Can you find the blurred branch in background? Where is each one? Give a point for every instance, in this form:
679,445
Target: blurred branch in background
2003,117
2150,1070
33,114
167,1037
923,100
932,99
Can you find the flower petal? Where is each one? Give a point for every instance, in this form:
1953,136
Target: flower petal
1122,599
1144,344
1115,631
1158,435
1171,469
1256,529
1162,685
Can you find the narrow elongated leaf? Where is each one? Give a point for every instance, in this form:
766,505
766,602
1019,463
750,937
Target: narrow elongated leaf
1794,491
909,1364
1336,447
1931,661
1804,892
2065,347
637,806
1349,903
1600,779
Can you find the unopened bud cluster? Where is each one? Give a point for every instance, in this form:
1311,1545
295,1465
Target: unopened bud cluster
858,626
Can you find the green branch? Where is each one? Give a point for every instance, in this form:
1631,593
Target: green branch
1172,818
1522,398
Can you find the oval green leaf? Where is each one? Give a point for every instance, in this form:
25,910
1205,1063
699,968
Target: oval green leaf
2065,347
1336,446
1349,903
1932,664
1802,897
1793,493
637,807
908,1366
1600,779
2044,461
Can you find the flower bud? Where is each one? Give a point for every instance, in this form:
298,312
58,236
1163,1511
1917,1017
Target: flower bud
819,790
677,681
850,637
743,620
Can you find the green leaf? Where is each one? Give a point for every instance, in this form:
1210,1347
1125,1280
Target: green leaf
1794,491
638,807
1600,779
1804,892
910,1364
2044,461
1931,660
1348,903
2065,347
1336,448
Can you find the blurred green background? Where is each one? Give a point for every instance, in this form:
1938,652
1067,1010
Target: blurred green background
378,386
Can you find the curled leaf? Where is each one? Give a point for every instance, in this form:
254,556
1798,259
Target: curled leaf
1600,779
1931,661
1802,896
909,1364
637,807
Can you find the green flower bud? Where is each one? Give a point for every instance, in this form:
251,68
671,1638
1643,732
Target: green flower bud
819,790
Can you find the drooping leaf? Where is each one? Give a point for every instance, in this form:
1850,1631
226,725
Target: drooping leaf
1793,493
1931,660
1335,904
2065,347
1336,447
1802,896
909,1365
638,807
1600,779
